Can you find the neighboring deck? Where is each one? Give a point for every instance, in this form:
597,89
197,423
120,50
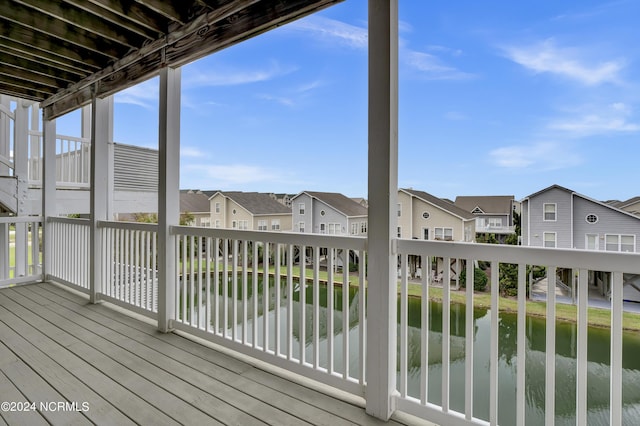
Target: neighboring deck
56,347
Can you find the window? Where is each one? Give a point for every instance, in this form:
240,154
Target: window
301,226
425,233
262,225
301,208
233,211
495,222
445,234
549,212
322,213
592,242
399,231
363,227
323,228
425,215
399,209
234,224
205,221
625,243
334,228
217,223
354,228
591,218
240,224
217,207
549,239
275,224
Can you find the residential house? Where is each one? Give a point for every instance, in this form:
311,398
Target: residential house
194,205
328,213
360,200
557,217
494,213
249,211
284,199
632,205
424,216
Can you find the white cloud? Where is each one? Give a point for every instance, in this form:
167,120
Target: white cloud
433,68
191,152
591,120
219,76
572,63
277,99
232,175
541,156
145,94
333,31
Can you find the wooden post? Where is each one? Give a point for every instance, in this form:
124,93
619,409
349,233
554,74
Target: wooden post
383,191
99,124
48,192
20,170
168,193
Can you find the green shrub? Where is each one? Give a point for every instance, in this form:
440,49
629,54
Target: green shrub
480,279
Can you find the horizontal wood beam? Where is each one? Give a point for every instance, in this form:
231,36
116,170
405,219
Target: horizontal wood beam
229,24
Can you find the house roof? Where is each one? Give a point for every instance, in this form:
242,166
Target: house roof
440,203
488,204
194,201
256,203
630,201
340,202
562,188
61,53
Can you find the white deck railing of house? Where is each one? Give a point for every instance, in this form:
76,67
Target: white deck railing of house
70,251
499,229
216,289
20,250
231,265
579,261
129,265
73,160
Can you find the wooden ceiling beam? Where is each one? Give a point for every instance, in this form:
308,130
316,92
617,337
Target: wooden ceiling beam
37,67
134,12
117,19
32,40
170,10
30,76
36,21
18,85
43,58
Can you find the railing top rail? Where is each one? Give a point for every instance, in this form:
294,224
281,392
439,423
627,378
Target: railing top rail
71,220
578,259
131,226
307,239
20,219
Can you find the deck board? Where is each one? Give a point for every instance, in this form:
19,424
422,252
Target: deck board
58,347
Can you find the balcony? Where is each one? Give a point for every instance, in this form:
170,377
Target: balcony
225,282
495,229
302,331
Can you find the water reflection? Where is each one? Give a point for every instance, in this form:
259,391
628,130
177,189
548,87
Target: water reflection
597,356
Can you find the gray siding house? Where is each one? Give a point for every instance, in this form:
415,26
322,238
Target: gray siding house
328,213
494,213
557,217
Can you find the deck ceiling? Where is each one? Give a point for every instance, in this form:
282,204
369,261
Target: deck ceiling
60,52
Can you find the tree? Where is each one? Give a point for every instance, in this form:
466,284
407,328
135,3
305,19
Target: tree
480,279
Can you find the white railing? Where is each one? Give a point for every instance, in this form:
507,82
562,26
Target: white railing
70,251
20,255
245,290
580,262
495,229
73,160
129,265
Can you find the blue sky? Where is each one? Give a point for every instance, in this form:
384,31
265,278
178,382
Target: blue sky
496,98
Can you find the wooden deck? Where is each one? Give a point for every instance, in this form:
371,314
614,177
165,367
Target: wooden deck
56,347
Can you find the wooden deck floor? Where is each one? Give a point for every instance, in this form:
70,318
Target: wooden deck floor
56,347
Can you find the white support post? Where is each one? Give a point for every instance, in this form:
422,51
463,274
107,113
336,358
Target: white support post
20,171
383,189
99,125
48,191
168,193
5,132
